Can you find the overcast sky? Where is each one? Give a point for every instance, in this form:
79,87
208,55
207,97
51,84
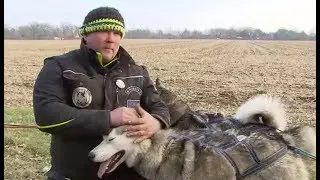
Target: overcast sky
267,15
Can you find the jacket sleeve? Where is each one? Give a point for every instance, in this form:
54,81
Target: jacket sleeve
152,102
53,115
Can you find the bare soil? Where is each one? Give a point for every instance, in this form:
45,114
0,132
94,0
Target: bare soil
212,75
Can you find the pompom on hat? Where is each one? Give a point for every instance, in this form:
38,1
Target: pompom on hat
103,19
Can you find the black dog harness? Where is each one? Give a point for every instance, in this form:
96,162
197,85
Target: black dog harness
216,136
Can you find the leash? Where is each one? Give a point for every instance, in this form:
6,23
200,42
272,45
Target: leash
15,125
302,152
299,151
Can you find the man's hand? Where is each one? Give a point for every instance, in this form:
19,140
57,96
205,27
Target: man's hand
122,116
144,127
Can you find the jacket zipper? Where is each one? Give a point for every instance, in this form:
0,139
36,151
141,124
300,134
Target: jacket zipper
117,91
104,89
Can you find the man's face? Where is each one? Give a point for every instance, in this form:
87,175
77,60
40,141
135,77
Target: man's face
107,43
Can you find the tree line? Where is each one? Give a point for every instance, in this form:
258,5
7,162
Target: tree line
44,31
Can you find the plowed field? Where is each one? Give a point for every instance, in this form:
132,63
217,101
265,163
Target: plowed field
212,75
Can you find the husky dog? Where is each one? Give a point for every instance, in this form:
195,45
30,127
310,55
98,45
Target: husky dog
254,144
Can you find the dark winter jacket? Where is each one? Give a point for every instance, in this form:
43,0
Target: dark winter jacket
72,100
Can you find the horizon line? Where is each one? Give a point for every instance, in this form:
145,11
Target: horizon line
169,29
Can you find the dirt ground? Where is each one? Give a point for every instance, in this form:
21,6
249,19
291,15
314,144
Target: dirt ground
211,75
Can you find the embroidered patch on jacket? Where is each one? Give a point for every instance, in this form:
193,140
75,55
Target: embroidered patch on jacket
81,97
131,89
132,103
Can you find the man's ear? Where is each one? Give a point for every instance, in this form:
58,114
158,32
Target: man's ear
84,39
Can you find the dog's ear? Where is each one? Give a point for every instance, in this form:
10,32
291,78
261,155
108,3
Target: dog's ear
158,84
119,130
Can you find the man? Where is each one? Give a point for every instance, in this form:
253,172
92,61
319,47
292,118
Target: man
81,95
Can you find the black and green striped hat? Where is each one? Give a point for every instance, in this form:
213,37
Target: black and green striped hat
103,19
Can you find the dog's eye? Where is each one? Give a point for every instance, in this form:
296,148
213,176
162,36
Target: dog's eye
111,139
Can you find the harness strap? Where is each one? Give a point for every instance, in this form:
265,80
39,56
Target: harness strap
221,151
252,152
233,142
260,164
302,152
266,162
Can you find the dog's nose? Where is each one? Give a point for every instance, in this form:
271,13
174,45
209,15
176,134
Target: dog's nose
91,155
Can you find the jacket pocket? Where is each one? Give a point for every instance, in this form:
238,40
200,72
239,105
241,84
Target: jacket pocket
83,91
129,90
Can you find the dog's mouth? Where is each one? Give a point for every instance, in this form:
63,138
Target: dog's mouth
108,165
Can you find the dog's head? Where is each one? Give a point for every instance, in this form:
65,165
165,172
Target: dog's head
165,94
114,149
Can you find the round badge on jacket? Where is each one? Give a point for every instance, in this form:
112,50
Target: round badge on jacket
81,97
120,84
